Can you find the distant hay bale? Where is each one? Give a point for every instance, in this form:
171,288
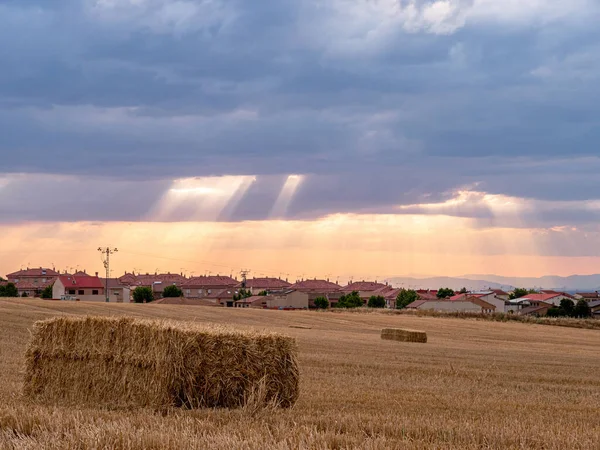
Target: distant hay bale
125,362
397,334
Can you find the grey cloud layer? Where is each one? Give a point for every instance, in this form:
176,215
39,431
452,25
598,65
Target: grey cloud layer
384,103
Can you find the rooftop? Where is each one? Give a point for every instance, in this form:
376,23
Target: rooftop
81,282
313,285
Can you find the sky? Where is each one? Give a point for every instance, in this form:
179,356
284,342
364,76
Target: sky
301,139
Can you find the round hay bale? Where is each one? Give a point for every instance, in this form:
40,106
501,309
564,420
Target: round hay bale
398,334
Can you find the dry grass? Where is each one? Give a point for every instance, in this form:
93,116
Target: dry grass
124,362
475,385
400,335
568,322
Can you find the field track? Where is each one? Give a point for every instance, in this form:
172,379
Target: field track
474,385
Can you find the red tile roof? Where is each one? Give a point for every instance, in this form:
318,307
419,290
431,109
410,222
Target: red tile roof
81,273
388,292
29,285
588,294
210,281
39,272
81,282
417,303
363,286
266,283
315,285
113,283
149,279
499,292
254,299
540,297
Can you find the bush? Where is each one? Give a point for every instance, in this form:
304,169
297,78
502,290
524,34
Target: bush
553,312
242,294
582,309
445,293
352,300
24,294
10,290
172,291
376,302
406,297
143,294
47,292
321,303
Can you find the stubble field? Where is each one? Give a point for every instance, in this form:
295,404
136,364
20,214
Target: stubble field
475,384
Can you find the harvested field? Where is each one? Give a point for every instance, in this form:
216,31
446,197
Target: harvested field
476,384
124,362
397,334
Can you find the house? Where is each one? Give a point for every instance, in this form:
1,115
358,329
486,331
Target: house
156,281
35,276
255,301
256,285
32,282
315,286
389,294
117,292
550,297
205,286
595,308
85,288
82,273
468,304
587,296
499,293
287,298
365,289
487,296
538,310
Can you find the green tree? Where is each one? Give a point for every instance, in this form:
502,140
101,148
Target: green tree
352,300
582,309
405,297
567,306
518,293
321,303
24,294
242,294
463,291
172,291
445,293
376,301
143,294
10,290
47,292
263,293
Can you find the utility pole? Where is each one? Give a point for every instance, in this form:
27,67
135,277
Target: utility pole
106,252
244,273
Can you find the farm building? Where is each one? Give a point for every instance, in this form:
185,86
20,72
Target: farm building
468,304
282,299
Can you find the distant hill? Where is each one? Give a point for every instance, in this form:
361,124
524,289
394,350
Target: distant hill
479,282
571,283
450,282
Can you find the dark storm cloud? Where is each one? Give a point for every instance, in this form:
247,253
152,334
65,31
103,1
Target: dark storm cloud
378,104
